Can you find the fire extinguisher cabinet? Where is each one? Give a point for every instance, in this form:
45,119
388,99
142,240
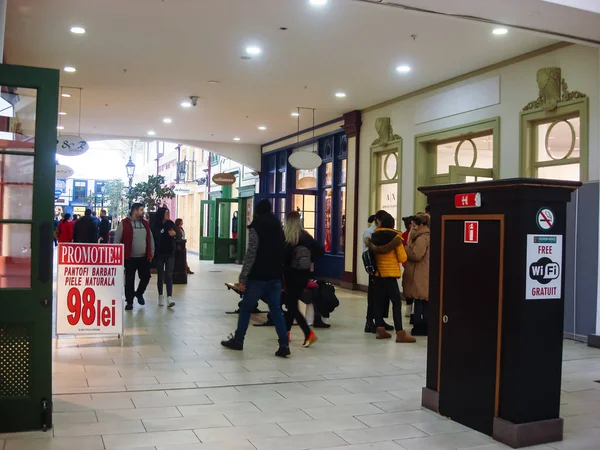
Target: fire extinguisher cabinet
496,301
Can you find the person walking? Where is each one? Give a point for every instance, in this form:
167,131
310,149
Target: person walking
64,231
164,233
85,230
300,252
134,233
261,277
104,228
386,244
408,224
415,282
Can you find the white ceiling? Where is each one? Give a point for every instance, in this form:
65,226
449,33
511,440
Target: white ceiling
140,58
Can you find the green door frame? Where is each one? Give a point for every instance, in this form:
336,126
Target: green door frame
246,194
207,243
26,313
223,253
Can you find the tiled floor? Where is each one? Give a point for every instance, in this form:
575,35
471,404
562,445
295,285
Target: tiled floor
172,387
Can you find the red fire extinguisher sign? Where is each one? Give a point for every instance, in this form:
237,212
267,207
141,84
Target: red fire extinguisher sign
471,232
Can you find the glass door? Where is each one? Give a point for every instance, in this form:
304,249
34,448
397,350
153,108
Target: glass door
207,230
28,116
227,230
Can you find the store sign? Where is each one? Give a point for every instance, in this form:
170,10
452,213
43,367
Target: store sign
180,190
223,179
63,171
544,267
60,184
471,232
71,145
472,200
90,284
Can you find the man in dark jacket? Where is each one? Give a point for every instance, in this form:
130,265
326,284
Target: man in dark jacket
104,228
261,277
85,230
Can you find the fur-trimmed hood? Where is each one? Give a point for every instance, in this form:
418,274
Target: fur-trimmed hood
384,240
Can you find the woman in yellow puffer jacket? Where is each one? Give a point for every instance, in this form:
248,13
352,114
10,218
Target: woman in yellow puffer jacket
386,243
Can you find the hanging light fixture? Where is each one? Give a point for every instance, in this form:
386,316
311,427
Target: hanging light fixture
303,158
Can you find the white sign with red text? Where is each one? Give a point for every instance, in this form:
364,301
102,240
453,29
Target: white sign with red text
89,297
544,267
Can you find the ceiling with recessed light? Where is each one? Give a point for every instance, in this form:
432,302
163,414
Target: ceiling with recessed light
139,61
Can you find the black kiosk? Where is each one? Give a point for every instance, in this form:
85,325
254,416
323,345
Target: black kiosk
494,353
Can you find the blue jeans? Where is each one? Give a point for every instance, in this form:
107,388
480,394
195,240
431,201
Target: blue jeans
270,292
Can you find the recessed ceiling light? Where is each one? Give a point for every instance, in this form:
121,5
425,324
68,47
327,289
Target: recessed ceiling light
262,128
66,95
186,104
500,31
167,120
253,50
295,114
70,69
318,2
340,94
60,127
237,139
77,30
151,133
213,82
403,69
62,113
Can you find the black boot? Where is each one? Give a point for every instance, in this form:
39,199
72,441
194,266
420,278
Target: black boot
370,327
388,327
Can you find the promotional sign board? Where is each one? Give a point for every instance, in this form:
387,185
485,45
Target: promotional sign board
544,267
89,298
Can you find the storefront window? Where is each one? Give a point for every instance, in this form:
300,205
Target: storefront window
328,174
557,153
272,183
306,179
281,175
306,206
281,209
343,219
343,170
477,152
387,182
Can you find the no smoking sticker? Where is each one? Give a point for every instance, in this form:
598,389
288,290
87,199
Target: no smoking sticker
545,219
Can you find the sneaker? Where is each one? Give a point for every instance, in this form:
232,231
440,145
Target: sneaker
232,343
128,306
140,299
312,338
161,300
170,302
282,352
388,327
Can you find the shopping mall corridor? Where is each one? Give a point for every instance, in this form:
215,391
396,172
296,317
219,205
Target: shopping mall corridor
172,387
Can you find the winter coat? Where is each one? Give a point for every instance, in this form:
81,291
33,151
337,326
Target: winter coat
416,274
388,248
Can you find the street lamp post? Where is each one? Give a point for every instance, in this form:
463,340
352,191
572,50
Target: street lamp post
130,167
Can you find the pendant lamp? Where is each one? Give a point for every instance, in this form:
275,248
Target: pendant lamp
303,158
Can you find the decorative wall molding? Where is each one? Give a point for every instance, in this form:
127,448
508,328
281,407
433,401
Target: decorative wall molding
553,89
384,129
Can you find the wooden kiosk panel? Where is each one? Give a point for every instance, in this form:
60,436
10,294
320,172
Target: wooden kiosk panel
494,353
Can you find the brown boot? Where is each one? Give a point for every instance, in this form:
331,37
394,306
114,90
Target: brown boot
380,333
401,336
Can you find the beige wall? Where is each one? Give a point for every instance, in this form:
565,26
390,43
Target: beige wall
581,69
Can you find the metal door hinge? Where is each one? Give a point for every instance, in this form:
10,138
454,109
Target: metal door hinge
44,302
46,415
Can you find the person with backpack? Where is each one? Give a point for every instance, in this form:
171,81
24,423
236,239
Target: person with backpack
386,244
300,252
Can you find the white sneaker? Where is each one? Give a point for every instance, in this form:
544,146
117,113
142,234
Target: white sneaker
409,310
170,302
161,300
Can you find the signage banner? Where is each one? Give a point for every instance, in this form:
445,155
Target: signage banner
544,267
63,171
71,145
223,179
89,297
60,185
